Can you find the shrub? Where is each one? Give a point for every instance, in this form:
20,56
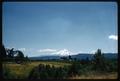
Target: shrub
7,73
47,72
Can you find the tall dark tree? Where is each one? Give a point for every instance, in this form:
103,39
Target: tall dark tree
20,56
99,61
3,52
27,59
10,53
3,56
70,58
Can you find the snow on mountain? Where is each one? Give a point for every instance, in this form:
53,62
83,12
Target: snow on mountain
63,52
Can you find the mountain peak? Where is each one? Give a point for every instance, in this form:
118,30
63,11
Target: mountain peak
64,52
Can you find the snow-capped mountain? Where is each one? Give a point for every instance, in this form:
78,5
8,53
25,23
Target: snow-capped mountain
63,52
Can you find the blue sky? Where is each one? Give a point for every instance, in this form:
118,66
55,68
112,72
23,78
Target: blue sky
42,28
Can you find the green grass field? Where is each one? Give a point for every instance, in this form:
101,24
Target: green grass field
22,71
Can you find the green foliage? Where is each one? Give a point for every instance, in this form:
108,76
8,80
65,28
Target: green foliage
111,65
43,71
48,72
20,54
7,73
8,55
58,70
33,74
75,69
103,64
20,57
99,61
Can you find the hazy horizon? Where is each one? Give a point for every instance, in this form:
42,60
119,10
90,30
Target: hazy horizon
63,28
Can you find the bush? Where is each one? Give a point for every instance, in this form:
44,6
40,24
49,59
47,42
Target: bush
74,69
47,72
7,73
102,64
34,74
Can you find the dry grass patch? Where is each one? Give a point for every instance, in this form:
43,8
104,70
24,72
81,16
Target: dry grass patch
97,76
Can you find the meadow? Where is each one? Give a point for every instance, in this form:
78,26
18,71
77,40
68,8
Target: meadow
22,71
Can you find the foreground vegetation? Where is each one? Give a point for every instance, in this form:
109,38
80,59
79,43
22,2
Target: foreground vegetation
24,71
20,67
14,70
92,75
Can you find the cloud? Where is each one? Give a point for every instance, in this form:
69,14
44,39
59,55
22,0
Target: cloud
114,37
47,50
93,51
22,49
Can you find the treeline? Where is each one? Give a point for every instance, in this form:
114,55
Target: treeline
12,55
98,65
